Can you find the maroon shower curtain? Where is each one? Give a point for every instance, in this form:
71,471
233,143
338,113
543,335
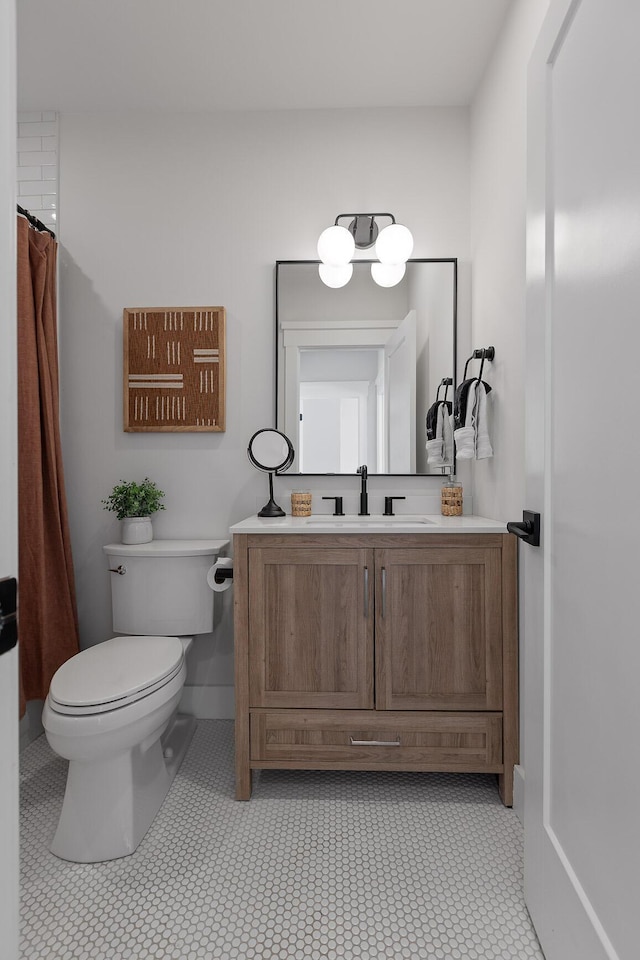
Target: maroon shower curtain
48,625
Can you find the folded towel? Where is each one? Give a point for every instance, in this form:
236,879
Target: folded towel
435,457
439,434
471,435
465,441
447,433
484,450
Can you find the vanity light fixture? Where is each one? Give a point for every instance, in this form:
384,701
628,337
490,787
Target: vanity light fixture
337,244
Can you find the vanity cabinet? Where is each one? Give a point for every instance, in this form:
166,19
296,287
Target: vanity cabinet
376,652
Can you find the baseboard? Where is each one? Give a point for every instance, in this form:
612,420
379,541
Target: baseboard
518,792
31,724
208,703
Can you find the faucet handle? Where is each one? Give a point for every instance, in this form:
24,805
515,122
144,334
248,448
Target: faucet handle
337,510
388,505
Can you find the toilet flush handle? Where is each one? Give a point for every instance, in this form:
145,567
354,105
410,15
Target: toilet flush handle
120,569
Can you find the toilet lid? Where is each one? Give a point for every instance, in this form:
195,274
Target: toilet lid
120,669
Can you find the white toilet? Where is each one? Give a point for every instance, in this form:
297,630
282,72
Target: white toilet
112,709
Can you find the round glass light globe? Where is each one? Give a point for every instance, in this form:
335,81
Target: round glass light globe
394,244
388,274
335,276
336,246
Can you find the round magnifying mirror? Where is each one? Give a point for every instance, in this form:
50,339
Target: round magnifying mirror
270,451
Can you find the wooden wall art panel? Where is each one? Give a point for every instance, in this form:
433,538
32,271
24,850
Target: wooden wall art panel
174,369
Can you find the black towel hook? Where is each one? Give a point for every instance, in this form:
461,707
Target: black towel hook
482,354
446,383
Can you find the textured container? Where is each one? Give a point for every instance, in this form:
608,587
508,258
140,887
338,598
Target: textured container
451,498
137,530
301,503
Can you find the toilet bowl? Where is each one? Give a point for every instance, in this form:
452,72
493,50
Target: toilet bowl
111,710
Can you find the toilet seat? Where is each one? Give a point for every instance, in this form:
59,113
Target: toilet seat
114,674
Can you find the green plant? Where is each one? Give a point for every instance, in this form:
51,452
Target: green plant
131,499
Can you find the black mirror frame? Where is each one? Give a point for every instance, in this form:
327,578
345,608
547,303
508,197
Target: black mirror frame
454,262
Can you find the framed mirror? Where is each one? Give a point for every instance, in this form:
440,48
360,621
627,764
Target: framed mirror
358,367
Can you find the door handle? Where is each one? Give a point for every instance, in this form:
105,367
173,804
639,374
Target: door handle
527,530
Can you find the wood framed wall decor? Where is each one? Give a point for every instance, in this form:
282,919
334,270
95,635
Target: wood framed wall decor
174,369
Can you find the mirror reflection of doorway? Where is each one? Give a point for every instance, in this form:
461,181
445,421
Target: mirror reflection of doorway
338,404
344,421
337,428
333,421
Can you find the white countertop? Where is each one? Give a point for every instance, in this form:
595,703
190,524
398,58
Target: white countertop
323,523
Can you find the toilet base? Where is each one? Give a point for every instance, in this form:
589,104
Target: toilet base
175,742
109,805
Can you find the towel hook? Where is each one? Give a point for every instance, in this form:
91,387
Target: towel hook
484,353
487,353
446,383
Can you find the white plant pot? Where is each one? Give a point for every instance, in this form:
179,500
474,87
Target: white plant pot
137,530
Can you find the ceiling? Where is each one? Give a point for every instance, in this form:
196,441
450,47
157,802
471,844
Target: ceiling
193,55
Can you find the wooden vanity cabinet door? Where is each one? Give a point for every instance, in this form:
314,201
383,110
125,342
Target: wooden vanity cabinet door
311,627
439,628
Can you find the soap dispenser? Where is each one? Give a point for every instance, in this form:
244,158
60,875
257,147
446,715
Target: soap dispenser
451,497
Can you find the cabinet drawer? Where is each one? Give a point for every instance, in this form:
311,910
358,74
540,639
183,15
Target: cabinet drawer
370,740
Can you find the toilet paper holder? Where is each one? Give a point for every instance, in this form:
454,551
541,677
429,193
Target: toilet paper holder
222,574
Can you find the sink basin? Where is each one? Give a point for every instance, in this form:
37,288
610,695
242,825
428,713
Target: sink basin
369,522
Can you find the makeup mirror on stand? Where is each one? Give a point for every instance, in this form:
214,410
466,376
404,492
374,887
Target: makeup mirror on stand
270,451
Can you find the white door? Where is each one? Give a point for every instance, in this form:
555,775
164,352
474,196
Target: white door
400,396
8,492
581,636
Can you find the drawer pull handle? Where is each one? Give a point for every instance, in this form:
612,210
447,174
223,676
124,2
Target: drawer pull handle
374,743
384,592
366,593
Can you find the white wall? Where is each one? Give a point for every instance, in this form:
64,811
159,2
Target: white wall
195,209
498,208
498,221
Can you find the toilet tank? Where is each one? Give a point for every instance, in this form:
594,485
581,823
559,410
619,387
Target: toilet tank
160,588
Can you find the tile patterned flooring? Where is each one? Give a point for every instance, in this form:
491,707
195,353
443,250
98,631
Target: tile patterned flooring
317,866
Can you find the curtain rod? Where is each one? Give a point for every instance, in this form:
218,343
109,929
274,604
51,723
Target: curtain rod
38,224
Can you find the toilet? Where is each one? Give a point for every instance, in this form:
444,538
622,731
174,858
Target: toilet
111,710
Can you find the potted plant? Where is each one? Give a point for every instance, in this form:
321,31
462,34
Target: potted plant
133,503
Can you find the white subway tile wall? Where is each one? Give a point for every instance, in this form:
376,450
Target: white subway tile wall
37,171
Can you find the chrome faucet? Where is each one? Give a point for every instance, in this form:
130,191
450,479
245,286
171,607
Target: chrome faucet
364,497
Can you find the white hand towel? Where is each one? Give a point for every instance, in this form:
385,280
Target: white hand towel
484,449
447,433
434,452
465,443
439,450
472,441
465,437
